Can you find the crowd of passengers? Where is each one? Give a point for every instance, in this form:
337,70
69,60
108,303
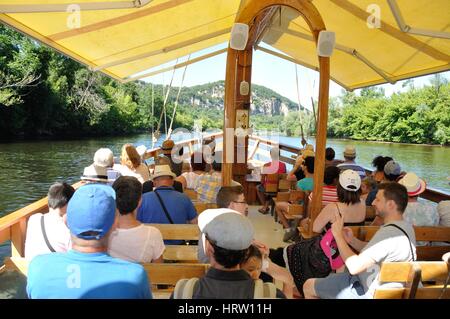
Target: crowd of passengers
93,240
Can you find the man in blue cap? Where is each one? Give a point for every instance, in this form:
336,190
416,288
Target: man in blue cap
87,271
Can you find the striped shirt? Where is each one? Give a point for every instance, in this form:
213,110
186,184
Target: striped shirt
329,195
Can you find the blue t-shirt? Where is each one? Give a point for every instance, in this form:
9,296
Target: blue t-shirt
179,207
305,184
76,275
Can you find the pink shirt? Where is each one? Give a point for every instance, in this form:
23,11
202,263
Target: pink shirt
272,168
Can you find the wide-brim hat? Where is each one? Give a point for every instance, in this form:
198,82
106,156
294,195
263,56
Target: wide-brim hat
167,146
163,170
414,185
350,151
95,173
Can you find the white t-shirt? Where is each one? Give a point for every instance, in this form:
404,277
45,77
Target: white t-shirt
57,233
387,245
191,179
138,244
141,172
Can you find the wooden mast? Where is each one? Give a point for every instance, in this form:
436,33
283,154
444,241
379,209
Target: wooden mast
257,14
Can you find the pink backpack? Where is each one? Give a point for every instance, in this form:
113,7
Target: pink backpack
330,249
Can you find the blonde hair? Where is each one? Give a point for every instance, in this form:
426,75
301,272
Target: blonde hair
130,157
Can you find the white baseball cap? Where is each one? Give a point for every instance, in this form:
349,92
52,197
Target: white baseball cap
350,180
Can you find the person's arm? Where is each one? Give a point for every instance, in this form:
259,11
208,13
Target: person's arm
357,244
354,263
279,273
291,175
323,218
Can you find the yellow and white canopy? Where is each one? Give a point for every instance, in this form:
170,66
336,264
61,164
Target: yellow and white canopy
123,38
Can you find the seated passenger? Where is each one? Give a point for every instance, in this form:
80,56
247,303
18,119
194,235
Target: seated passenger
48,233
307,259
228,238
368,184
253,265
176,164
131,164
329,157
418,212
229,198
349,162
443,209
379,162
329,195
393,242
307,184
165,205
132,240
392,173
208,185
273,167
297,173
87,271
198,166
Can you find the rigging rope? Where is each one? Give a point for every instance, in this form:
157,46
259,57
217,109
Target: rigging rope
165,102
299,106
176,101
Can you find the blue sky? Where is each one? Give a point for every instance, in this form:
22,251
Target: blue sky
272,72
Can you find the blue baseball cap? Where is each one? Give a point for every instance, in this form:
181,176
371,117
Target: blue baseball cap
92,208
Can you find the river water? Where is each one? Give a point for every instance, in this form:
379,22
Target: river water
27,169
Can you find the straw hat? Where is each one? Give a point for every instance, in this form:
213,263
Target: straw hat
162,170
350,151
414,185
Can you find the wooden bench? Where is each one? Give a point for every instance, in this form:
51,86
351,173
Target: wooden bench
178,231
433,275
169,274
370,213
295,211
179,253
428,234
158,273
201,207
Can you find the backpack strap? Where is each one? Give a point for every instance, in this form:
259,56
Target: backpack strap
163,207
409,240
184,289
44,233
